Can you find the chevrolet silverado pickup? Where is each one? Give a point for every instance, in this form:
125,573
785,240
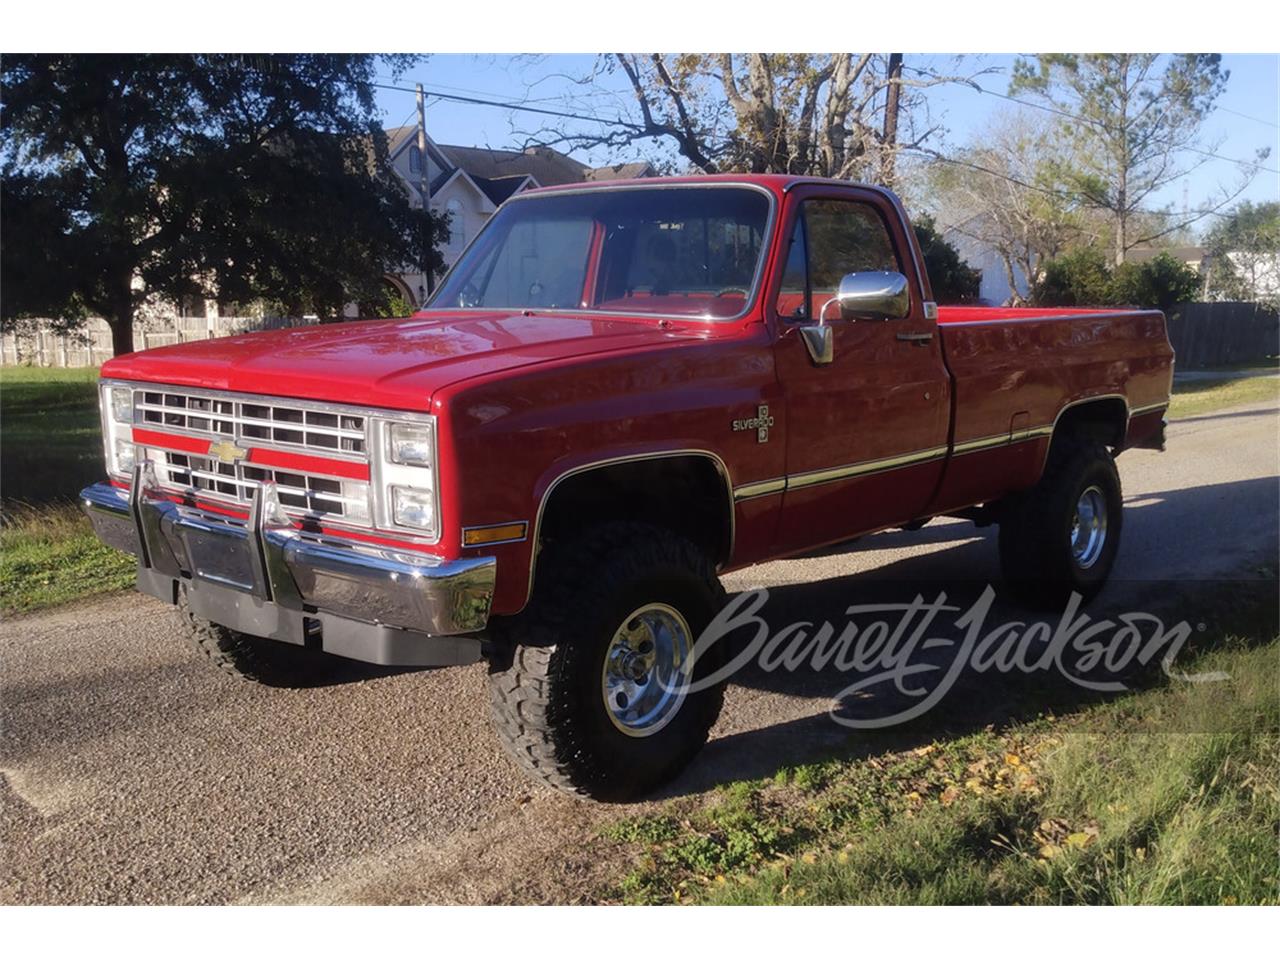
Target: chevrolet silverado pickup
618,392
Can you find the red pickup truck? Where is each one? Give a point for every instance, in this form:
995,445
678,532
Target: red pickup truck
618,392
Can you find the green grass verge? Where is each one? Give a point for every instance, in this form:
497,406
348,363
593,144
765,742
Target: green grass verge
1195,397
50,448
50,435
1167,796
49,555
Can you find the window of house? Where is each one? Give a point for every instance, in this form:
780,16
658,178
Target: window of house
415,160
832,238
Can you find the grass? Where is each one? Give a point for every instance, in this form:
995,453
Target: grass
50,448
1195,397
49,555
1167,796
50,436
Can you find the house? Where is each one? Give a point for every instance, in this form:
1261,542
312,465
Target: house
469,183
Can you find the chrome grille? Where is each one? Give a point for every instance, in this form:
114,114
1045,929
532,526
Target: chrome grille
259,423
270,423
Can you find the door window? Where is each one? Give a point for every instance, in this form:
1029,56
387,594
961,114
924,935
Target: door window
832,238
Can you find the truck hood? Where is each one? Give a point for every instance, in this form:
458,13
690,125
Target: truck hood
397,364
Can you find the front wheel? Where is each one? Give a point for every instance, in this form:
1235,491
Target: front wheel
590,698
255,659
1061,536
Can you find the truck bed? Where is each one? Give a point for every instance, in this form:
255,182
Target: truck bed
1016,370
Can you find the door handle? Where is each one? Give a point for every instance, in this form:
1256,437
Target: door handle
919,339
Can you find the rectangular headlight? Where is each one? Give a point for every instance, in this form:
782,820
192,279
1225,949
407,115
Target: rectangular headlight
404,477
411,444
125,456
121,404
115,402
411,507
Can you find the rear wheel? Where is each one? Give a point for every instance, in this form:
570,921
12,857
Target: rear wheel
1061,536
589,697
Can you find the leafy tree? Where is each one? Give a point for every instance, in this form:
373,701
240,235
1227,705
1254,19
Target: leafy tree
1134,116
1244,255
1007,191
128,177
952,280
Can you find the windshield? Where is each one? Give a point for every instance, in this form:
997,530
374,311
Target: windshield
676,251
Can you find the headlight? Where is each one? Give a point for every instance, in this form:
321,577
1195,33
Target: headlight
411,507
116,403
126,456
121,404
411,444
404,476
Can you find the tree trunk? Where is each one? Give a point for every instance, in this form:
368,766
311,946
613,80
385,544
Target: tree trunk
892,96
121,317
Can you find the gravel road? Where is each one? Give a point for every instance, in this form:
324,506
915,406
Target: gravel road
133,772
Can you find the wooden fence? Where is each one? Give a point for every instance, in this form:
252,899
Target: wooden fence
37,344
1207,335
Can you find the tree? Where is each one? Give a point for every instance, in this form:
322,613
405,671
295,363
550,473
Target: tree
828,115
1134,117
952,280
1007,190
128,177
1243,259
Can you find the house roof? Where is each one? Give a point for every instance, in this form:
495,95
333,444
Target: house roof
501,173
549,167
1188,254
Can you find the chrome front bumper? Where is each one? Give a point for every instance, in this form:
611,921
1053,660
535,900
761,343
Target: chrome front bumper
266,578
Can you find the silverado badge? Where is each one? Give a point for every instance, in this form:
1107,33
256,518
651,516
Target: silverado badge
760,423
227,452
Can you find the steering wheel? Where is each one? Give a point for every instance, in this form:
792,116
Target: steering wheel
728,290
469,296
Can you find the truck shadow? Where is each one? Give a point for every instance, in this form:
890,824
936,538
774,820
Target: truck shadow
975,698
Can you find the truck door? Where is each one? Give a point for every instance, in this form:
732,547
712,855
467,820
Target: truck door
866,434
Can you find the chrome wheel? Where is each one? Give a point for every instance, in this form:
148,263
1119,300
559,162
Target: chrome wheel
1089,528
646,669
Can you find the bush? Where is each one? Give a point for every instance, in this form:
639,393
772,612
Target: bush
1161,282
1081,278
952,280
1084,278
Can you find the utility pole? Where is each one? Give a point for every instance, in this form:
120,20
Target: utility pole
424,179
890,145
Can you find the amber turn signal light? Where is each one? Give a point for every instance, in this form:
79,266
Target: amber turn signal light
479,536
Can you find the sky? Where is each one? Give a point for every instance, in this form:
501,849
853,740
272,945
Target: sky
1247,118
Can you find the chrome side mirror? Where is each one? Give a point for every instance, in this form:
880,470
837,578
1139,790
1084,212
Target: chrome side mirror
872,295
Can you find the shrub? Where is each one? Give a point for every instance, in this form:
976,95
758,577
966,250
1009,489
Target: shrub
1084,278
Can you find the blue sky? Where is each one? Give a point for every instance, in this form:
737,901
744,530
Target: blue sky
1247,121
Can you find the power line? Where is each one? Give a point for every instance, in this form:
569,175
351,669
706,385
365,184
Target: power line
507,105
1049,191
1246,116
978,88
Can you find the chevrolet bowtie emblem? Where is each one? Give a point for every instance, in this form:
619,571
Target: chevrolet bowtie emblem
227,452
760,423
